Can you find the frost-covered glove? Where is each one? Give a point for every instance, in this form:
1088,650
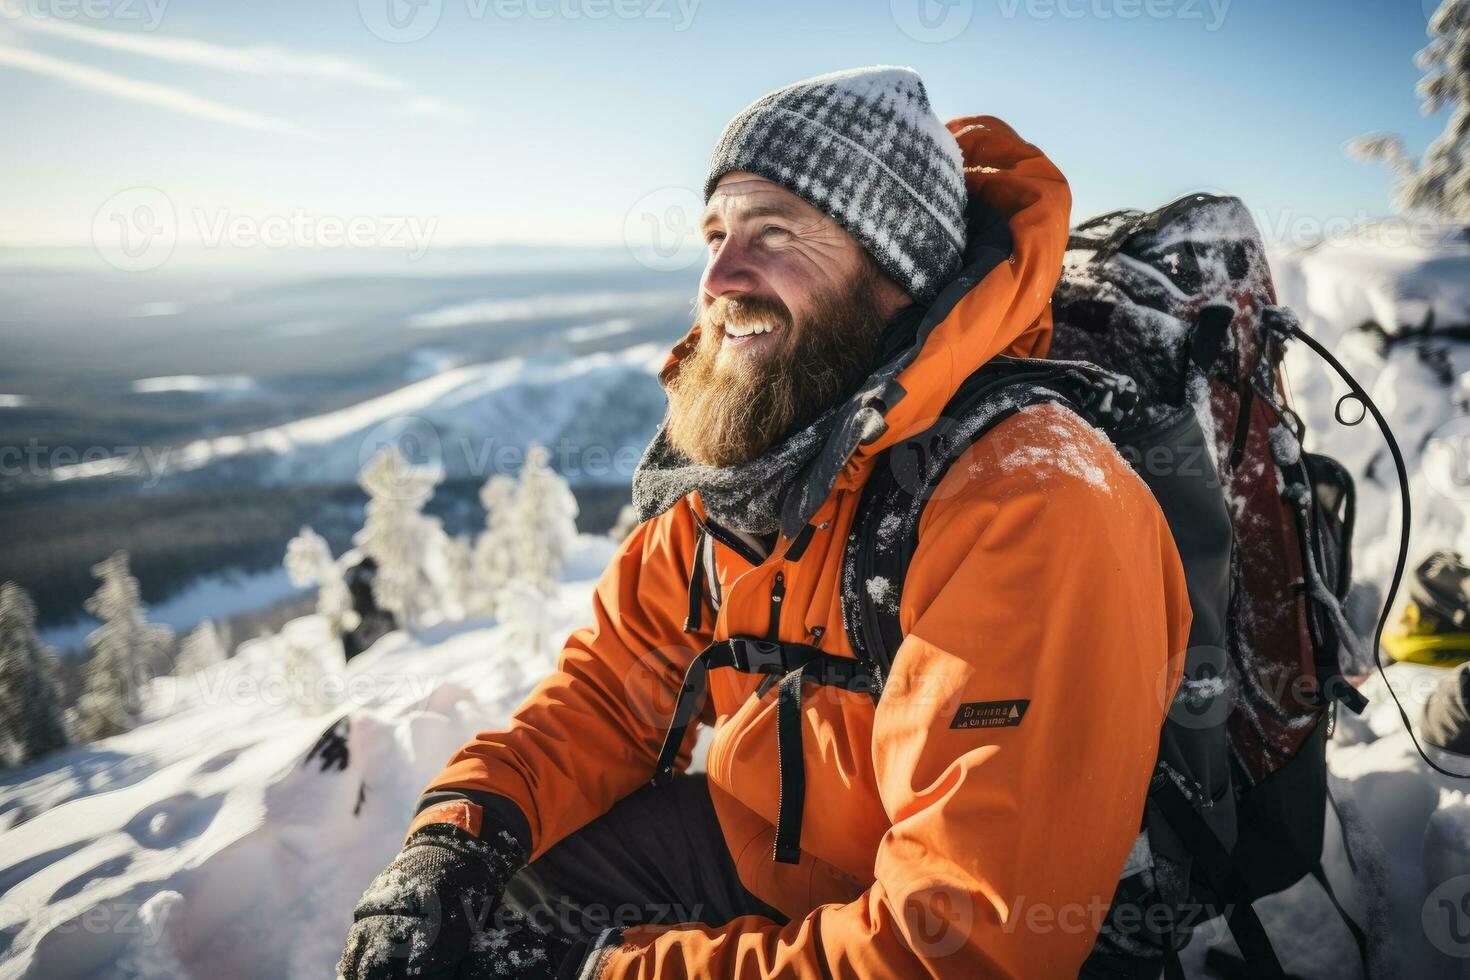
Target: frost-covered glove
515,946
419,915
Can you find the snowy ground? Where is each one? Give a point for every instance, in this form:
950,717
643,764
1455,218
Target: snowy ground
208,844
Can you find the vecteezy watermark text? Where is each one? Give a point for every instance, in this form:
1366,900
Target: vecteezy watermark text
138,229
406,21
1210,13
147,14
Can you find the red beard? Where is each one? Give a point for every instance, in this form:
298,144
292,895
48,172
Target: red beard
726,411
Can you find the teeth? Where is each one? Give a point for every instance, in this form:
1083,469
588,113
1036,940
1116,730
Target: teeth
745,330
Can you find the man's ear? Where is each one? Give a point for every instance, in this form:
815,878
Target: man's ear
890,295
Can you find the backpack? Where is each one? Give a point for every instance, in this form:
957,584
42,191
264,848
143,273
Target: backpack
1167,337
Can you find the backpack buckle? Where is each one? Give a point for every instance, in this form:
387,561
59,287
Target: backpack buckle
755,656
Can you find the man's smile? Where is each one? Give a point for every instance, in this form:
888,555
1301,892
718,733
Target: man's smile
748,335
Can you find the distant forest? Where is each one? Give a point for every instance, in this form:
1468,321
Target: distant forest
48,546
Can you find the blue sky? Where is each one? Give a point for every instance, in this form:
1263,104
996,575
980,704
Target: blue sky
548,120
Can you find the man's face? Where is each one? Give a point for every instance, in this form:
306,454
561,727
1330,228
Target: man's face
790,311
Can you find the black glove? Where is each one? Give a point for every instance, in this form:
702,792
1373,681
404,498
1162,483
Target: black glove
513,946
419,915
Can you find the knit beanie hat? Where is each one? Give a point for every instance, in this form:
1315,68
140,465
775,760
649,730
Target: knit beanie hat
864,147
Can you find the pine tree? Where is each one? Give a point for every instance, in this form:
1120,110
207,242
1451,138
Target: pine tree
201,649
461,598
491,569
127,652
30,712
530,528
406,543
309,562
545,524
1440,183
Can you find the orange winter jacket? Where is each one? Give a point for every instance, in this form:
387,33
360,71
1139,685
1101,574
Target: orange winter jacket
1044,572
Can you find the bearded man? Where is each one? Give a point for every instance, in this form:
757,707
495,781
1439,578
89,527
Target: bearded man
864,260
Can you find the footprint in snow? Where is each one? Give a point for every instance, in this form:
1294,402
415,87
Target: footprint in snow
174,821
107,869
218,762
16,873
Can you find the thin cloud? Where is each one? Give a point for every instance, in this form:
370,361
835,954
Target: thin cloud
267,61
148,93
428,105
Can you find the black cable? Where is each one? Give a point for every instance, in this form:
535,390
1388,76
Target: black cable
1357,393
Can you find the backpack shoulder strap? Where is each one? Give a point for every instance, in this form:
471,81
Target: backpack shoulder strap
886,527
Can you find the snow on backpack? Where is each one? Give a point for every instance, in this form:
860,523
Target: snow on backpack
1167,337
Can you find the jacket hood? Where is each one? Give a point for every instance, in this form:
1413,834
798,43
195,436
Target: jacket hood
998,303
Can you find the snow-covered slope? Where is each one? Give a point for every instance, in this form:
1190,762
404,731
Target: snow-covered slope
1390,273
208,844
601,406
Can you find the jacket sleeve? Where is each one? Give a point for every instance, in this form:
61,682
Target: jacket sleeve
1051,588
589,734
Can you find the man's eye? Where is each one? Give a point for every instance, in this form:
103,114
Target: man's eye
775,232
714,238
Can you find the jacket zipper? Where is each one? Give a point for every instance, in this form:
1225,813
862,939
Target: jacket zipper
872,637
773,629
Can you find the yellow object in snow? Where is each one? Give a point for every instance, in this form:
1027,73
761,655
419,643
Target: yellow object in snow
1415,642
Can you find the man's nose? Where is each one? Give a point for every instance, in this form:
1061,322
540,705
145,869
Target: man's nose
731,271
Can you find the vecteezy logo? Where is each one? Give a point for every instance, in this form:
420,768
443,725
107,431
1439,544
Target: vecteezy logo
932,21
1446,917
661,229
1446,460
400,21
1207,692
646,688
416,440
135,230
937,919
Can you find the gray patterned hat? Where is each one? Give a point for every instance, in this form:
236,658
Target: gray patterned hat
864,147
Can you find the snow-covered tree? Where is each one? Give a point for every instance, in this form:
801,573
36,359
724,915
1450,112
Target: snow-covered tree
525,611
201,649
461,598
127,652
309,562
624,525
530,527
407,544
491,568
31,717
544,525
1440,183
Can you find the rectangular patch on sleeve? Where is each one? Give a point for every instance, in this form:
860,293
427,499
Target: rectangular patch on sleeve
990,714
463,814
